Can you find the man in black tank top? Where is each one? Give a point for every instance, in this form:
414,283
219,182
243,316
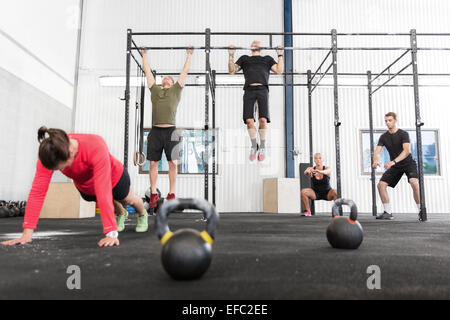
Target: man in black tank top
320,183
256,89
397,144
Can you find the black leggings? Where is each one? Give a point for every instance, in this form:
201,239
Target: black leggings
119,192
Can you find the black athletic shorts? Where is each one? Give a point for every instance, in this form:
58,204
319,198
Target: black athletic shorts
258,94
321,195
167,139
119,192
393,175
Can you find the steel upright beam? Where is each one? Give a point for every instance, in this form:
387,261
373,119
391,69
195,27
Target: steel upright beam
310,131
127,100
372,170
288,93
337,123
419,124
207,87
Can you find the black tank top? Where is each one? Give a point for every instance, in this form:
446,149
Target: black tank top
321,185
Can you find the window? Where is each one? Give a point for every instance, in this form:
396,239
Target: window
430,151
191,154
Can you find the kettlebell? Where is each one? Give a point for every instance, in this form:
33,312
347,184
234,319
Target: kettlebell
13,210
344,232
3,210
23,204
186,253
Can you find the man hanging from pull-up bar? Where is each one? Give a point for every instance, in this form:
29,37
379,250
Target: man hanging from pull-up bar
164,136
256,89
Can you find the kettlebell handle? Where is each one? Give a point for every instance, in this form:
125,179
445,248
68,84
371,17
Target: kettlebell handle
339,203
209,213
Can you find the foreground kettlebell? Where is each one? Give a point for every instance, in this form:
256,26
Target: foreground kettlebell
345,232
186,253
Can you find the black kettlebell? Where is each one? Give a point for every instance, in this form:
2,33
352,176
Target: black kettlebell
186,253
22,206
344,232
13,210
4,213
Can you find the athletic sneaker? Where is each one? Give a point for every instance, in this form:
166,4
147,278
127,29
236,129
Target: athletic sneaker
142,223
261,154
253,152
120,220
385,216
153,200
170,196
421,218
306,213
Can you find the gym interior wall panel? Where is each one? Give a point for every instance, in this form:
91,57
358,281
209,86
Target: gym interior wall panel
23,109
39,42
99,110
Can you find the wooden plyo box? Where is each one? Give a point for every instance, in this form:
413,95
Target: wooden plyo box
63,201
281,195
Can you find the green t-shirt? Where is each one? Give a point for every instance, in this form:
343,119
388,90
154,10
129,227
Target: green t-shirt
164,103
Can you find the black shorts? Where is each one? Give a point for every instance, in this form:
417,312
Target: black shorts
322,195
119,192
258,94
393,175
167,139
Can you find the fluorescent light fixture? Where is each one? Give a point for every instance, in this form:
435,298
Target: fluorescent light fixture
106,81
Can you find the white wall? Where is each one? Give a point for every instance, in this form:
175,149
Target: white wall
39,41
373,16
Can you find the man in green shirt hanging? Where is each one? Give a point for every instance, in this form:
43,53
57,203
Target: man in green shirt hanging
164,136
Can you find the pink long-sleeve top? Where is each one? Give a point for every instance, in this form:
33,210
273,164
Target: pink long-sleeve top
94,171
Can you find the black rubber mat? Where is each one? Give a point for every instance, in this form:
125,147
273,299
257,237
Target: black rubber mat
255,256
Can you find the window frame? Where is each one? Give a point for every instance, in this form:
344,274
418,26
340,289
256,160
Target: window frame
361,150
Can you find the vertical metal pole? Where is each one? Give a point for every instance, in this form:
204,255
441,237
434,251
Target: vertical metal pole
337,123
310,131
127,101
141,124
213,88
289,92
372,147
419,124
308,73
207,84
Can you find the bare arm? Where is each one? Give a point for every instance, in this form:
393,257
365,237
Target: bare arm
405,153
147,70
187,65
326,171
232,67
376,156
279,67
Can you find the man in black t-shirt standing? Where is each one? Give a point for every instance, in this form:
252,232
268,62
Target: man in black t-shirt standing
397,144
256,89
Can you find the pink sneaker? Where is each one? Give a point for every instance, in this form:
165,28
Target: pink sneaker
306,213
261,155
253,152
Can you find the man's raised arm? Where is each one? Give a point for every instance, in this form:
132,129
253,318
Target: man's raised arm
232,67
147,70
187,65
